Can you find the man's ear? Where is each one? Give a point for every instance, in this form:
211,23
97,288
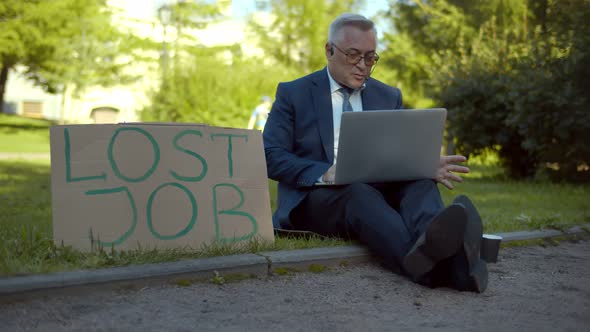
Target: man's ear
329,49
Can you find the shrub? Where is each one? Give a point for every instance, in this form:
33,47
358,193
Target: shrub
526,98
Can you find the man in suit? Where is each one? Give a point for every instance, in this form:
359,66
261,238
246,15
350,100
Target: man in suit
404,223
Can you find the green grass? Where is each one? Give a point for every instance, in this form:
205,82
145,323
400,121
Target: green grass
506,205
18,134
26,244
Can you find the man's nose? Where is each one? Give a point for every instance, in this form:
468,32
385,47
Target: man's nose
361,64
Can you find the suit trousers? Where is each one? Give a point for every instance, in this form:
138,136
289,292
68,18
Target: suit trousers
387,217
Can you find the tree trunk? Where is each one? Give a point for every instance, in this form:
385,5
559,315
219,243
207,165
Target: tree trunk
3,80
62,110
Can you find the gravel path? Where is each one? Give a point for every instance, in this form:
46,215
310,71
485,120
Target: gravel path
531,289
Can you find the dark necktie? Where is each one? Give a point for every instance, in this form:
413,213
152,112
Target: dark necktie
346,106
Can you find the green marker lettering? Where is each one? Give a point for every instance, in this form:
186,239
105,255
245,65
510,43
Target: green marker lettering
188,227
232,212
114,164
68,152
131,228
229,149
194,154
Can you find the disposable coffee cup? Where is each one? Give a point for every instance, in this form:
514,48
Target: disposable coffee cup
490,247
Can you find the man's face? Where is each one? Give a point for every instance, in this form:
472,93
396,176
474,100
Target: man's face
350,40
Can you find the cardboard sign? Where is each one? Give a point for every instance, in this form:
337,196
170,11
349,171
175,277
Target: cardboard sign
157,185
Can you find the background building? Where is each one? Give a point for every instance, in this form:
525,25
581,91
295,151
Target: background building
121,103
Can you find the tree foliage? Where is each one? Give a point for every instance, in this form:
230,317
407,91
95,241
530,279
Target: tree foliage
203,87
211,85
427,34
211,92
299,31
64,42
511,74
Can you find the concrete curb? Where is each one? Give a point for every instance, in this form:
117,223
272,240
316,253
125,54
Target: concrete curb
542,234
244,262
260,264
316,254
327,256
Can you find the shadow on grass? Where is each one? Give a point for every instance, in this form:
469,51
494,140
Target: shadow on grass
18,134
14,128
20,122
13,124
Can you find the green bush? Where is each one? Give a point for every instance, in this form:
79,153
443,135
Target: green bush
526,98
211,92
553,117
534,116
479,107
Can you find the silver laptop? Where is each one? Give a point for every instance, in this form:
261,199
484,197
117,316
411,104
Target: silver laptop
389,145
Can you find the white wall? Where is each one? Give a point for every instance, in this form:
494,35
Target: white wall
140,16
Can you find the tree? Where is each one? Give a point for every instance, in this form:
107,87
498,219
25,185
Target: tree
212,85
426,35
299,30
62,43
202,87
187,18
511,73
524,94
212,92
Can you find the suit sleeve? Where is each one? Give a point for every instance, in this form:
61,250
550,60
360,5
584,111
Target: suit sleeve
283,164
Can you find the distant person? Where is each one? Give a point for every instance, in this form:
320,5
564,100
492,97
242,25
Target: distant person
260,114
404,223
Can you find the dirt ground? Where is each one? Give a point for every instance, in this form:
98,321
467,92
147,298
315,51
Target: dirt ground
537,288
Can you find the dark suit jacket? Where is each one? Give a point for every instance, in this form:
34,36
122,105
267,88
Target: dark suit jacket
299,135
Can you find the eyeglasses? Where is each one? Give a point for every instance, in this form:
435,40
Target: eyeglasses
354,57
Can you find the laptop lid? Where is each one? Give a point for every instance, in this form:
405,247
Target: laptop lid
389,145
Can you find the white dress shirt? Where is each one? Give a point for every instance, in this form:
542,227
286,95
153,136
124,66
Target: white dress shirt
337,99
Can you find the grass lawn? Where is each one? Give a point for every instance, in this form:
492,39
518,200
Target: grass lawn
507,205
18,134
26,244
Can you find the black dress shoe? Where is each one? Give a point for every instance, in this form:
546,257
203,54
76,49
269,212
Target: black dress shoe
476,269
443,238
466,277
439,276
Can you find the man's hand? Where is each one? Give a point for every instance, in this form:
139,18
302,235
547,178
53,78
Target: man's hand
445,173
330,174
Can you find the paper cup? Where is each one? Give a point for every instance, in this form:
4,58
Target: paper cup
490,247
